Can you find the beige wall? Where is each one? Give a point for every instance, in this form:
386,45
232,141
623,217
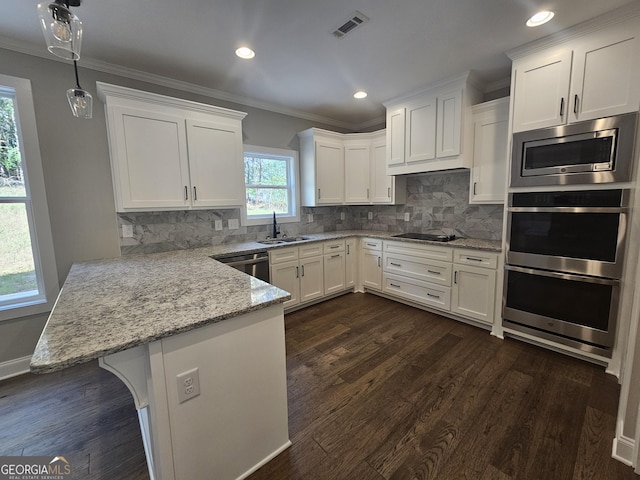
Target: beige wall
75,160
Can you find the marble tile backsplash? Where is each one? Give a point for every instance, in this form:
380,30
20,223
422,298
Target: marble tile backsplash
437,201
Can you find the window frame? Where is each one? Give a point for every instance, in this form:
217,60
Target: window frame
35,201
293,188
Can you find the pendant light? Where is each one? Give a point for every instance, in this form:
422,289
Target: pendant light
62,29
80,101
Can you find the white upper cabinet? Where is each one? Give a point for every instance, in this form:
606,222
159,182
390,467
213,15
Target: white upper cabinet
427,131
589,77
215,181
338,169
357,165
490,138
172,154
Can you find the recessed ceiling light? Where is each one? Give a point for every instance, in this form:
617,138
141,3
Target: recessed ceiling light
360,94
540,18
245,52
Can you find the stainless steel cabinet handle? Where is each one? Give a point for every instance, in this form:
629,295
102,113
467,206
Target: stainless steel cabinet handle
379,262
394,285
474,187
186,192
562,107
575,104
432,295
195,193
434,272
395,264
302,267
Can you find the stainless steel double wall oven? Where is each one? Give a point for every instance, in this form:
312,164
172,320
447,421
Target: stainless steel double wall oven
565,247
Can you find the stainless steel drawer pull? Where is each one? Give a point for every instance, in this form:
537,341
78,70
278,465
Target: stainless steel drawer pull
434,272
394,285
395,264
473,259
334,246
432,295
372,244
335,256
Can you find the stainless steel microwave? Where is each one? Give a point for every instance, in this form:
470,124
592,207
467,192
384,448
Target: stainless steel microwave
594,151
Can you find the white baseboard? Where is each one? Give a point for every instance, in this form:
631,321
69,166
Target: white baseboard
623,448
15,367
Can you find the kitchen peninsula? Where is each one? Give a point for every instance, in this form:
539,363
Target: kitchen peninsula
151,319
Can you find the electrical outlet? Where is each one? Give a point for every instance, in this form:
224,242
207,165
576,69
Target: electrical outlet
127,231
407,217
309,217
370,215
218,224
234,223
342,215
188,385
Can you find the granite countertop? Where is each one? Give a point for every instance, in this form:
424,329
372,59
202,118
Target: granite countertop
107,306
112,305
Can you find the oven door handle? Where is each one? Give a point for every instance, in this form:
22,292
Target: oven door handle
569,209
563,276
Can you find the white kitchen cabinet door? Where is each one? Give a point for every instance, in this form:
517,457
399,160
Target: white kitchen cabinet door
357,161
420,138
605,76
311,278
149,160
449,124
329,158
473,292
351,263
372,269
382,185
395,137
334,273
216,164
286,276
542,91
490,136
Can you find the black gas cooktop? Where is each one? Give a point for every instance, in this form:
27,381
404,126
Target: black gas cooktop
434,237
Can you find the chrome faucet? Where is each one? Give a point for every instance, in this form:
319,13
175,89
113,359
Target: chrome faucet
276,230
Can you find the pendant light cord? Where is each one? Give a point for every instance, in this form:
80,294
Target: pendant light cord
75,68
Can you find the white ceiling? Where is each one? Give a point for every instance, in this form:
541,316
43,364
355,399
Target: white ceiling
300,67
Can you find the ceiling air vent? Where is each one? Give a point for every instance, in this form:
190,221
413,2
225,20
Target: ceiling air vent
350,25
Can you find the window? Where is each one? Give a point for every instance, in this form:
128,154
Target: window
270,177
28,278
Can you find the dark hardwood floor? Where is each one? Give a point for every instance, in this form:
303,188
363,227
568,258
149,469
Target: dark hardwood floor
377,390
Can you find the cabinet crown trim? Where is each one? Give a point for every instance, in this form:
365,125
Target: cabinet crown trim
106,91
459,81
627,13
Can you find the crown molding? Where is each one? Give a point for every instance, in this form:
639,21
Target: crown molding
160,80
623,14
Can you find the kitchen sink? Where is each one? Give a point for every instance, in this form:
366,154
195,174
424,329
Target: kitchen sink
275,241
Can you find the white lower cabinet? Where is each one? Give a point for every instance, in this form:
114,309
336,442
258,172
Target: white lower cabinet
459,281
312,271
474,284
371,264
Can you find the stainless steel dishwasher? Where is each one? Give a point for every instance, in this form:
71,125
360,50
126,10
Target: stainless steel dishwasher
254,264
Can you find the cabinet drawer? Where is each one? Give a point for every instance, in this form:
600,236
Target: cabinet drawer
280,255
433,252
372,244
311,250
418,291
477,258
334,246
419,268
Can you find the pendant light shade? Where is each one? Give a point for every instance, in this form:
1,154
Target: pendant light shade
80,101
62,29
